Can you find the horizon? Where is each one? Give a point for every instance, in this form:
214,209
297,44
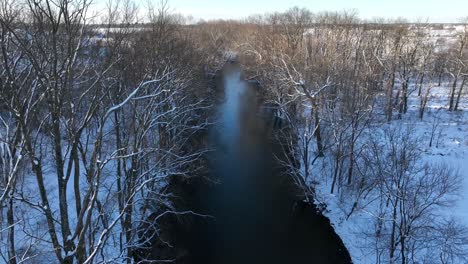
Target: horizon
431,11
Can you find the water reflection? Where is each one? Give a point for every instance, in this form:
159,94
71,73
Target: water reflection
256,215
253,201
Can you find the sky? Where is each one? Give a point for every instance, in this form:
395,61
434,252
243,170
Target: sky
437,11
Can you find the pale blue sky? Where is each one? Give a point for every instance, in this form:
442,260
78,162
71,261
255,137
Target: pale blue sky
434,10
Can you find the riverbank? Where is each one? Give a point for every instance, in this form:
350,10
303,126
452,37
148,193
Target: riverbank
248,209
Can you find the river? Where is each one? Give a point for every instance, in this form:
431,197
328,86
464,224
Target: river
257,216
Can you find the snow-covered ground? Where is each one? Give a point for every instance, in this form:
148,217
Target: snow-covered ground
450,145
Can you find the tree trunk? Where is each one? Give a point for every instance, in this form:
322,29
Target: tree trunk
460,93
402,248
120,194
11,233
403,102
335,176
317,131
80,250
351,155
423,104
68,245
452,94
37,169
421,80
389,109
405,97
306,159
392,236
76,178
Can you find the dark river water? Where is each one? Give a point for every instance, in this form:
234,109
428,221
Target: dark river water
257,216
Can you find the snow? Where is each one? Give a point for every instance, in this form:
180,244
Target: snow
450,147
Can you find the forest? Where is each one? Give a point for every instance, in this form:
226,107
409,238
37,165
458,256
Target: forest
105,127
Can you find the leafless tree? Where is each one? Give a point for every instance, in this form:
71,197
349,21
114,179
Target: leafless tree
458,68
413,192
99,103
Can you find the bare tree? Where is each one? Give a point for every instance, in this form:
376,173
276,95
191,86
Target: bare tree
94,100
412,191
458,67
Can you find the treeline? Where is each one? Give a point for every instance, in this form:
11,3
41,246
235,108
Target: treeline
94,124
341,85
